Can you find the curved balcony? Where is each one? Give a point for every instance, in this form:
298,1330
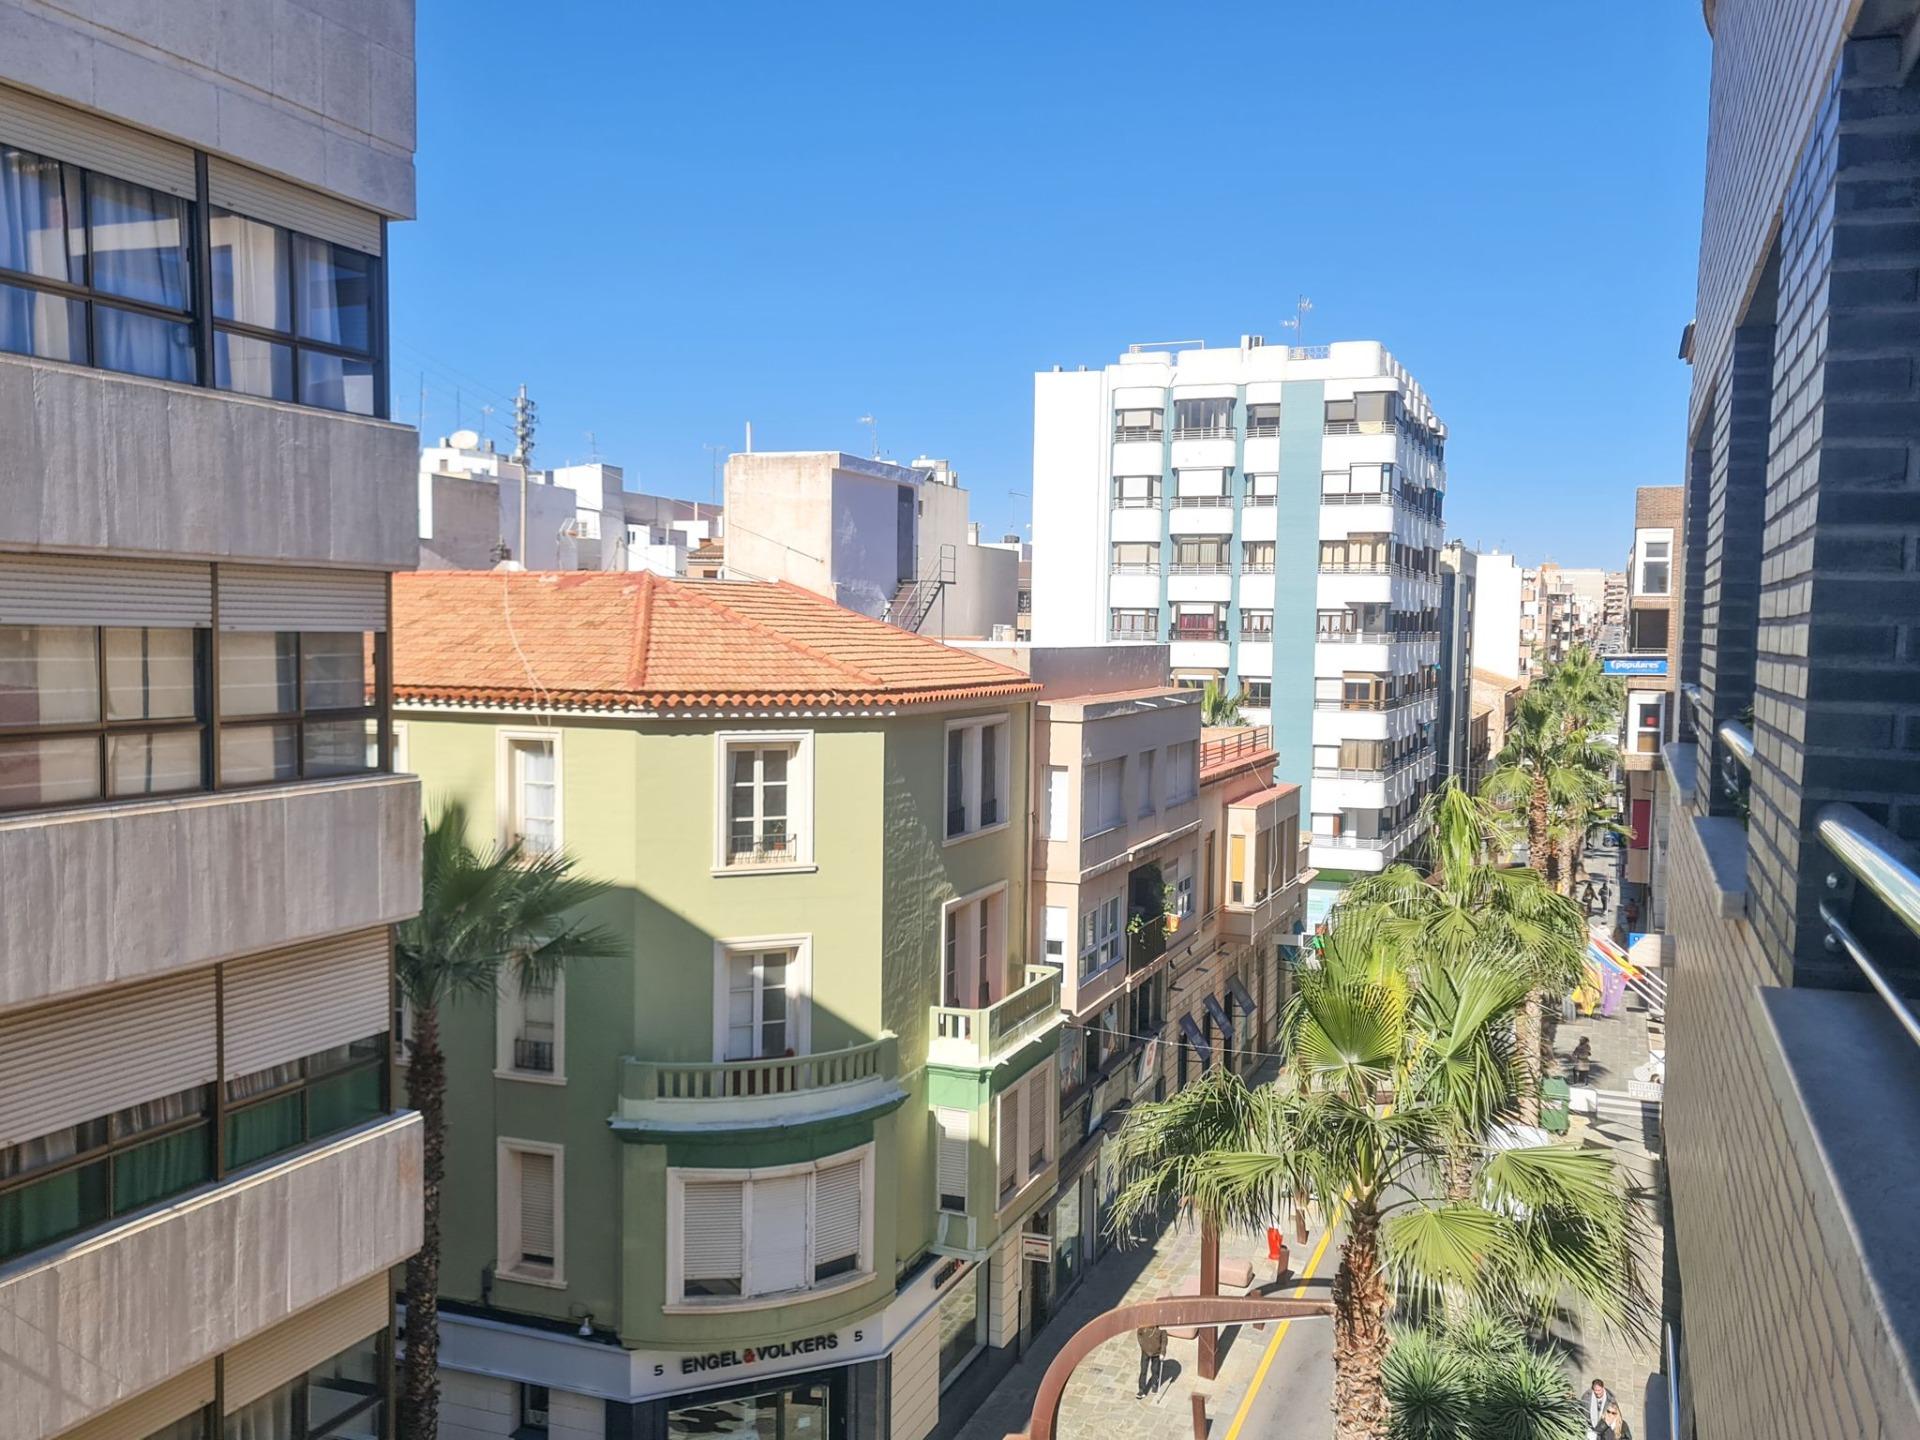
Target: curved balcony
980,1039
671,1097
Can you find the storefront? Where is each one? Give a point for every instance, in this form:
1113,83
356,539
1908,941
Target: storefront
804,1407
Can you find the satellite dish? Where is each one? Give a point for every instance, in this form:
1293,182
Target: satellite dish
464,440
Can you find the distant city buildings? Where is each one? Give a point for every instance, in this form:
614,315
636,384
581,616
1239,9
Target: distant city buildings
1648,665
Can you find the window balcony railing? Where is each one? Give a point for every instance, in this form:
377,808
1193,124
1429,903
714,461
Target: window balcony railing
1144,636
1356,567
1262,429
1371,772
1375,703
1198,634
1361,427
1203,432
1257,637
1243,742
1202,502
1211,567
1257,567
1137,502
1136,567
981,1037
749,850
1254,500
1124,433
698,1094
534,1055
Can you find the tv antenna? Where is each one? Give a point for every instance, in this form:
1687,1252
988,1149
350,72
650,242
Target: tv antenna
1298,324
874,426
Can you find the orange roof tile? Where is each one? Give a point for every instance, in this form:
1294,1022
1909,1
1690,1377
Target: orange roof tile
610,640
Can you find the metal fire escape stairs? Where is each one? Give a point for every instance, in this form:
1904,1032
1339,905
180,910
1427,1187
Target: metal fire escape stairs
914,600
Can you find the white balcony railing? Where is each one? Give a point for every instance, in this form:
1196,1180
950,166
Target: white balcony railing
982,1037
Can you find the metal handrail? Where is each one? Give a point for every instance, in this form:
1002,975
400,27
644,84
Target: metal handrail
1890,868
1839,934
1739,741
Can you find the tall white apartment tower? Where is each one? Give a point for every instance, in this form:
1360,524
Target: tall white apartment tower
1273,513
204,1178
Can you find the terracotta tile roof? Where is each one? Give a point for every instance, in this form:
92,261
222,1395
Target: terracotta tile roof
603,640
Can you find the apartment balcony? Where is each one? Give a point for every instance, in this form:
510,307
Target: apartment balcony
98,461
1221,748
662,1099
1132,838
982,1038
1360,852
106,894
106,1317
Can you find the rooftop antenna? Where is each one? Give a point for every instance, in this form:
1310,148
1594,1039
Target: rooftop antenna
1298,324
525,414
873,425
593,448
714,452
486,419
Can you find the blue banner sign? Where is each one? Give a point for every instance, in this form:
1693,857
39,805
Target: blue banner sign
1633,665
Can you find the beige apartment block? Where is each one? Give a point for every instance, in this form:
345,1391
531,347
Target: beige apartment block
205,1180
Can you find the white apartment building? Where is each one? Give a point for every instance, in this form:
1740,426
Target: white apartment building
204,1178
1275,514
1498,646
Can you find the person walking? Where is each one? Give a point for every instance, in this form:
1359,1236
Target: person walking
1598,1398
1153,1350
1613,1425
1582,1060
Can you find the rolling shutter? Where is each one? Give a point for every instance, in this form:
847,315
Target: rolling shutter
778,1244
262,197
289,1003
259,597
140,1417
836,1211
710,1230
295,1346
104,145
536,1207
1009,1137
81,590
956,1135
82,1059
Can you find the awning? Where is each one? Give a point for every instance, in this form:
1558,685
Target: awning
1220,1016
1196,1040
1239,993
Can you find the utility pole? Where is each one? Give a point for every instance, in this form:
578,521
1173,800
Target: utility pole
525,413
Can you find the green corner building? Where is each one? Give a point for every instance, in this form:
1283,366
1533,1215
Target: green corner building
768,1173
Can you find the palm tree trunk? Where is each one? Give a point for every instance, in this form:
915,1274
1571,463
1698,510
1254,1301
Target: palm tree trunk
1209,1285
1539,812
1527,1032
1360,1301
419,1417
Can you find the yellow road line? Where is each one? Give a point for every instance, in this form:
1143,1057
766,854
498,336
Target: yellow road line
1273,1345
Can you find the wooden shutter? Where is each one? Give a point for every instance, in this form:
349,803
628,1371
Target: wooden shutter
711,1233
82,590
262,197
81,1059
259,597
1009,1137
537,1203
104,145
289,1003
777,1239
956,1136
140,1417
295,1346
837,1207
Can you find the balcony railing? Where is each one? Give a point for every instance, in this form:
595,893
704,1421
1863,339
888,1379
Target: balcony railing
1736,765
1124,433
1262,429
749,850
1201,633
1257,567
1258,637
1373,637
1147,636
534,1055
1393,840
1361,427
1203,432
1377,705
1137,502
1216,567
1242,743
1370,772
695,1094
1888,867
1202,502
981,1037
1356,567
1256,499
1135,567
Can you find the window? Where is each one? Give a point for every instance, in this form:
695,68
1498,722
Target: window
1262,489
1025,1115
342,1396
529,1023
294,704
1256,557
1136,492
1259,693
284,1106
1058,825
1653,562
88,713
1208,486
973,949
1133,624
1102,807
1133,557
1339,412
1236,868
534,1408
532,814
1137,424
1149,798
1056,924
1180,879
1256,622
1362,754
293,315
1100,930
531,1212
1183,780
1647,630
977,771
1201,552
744,1234
765,800
1376,410
1206,621
1263,420
1202,419
57,1184
963,1323
953,1140
761,1003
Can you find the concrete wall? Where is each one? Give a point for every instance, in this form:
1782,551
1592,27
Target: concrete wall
868,563
471,516
1071,449
1496,615
318,91
229,874
96,461
100,1321
780,519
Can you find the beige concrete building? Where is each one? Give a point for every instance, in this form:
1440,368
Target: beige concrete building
204,1181
1649,665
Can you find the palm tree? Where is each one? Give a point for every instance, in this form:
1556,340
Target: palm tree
480,914
1477,1379
1546,766
1472,910
1538,1222
1219,706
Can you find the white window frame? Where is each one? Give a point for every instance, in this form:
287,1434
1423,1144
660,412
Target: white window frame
1056,929
1641,539
1183,781
799,796
799,986
970,774
1090,790
678,1302
1102,944
507,1212
970,934
1009,1103
507,1016
505,783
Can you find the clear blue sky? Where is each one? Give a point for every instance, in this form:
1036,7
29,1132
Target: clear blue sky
670,219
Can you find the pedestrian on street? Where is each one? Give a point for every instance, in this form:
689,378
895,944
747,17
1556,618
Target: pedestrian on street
1582,1060
1153,1350
1606,896
1613,1425
1598,1398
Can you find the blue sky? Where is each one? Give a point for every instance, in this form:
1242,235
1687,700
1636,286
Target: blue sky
669,220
